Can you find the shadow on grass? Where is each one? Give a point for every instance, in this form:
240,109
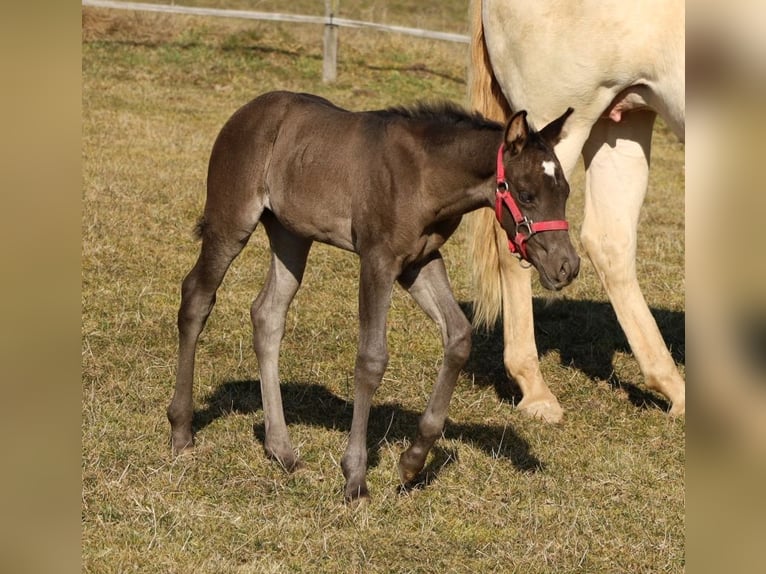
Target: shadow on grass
586,335
312,404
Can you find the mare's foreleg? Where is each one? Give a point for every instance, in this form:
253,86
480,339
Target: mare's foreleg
221,243
520,350
617,171
430,288
375,286
268,312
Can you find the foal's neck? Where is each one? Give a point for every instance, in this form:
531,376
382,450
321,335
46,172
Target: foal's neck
466,169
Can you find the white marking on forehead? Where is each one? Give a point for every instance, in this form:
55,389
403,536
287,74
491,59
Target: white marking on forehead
549,168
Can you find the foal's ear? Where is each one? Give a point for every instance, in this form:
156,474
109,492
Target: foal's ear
552,132
516,133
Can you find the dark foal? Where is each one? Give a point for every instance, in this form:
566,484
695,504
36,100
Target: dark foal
389,185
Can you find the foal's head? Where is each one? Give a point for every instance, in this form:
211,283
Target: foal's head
531,199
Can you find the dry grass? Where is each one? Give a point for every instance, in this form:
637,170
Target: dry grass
603,492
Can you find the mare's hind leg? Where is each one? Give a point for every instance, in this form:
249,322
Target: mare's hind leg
268,312
617,170
220,245
429,286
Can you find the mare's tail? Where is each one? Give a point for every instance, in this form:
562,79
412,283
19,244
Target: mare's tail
485,236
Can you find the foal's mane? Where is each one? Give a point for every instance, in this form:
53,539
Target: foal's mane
442,112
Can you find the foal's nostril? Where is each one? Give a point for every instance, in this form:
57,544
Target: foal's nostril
569,270
564,272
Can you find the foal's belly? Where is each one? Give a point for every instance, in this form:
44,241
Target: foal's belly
314,222
311,205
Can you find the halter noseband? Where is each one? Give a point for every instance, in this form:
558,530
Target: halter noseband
525,227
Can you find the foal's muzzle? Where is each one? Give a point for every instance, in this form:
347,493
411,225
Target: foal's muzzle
556,261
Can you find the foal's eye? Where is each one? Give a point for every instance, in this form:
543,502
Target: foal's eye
525,197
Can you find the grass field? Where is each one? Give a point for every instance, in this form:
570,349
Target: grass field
601,492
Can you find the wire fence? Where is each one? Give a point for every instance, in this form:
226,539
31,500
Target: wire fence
330,22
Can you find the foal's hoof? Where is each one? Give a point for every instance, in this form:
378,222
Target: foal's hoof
289,463
291,466
407,476
357,495
547,410
409,468
358,503
182,445
187,450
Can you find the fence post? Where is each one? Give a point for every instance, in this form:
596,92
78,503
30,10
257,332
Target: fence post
330,52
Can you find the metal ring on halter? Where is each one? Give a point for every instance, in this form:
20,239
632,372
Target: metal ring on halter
527,224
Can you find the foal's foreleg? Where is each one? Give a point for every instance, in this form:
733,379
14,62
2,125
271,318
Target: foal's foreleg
375,286
429,286
268,312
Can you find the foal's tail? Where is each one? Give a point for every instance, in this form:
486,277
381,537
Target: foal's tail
485,236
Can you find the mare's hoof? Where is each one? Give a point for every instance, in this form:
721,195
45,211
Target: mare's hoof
547,410
678,409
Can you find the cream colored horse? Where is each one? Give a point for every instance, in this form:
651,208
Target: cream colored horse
618,64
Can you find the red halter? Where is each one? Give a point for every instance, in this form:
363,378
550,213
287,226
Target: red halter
525,227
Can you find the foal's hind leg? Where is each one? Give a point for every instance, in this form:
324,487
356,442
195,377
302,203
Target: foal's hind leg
429,286
219,248
268,312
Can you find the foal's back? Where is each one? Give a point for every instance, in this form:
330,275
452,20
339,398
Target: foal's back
316,166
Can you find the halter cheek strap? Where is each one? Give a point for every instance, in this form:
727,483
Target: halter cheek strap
525,227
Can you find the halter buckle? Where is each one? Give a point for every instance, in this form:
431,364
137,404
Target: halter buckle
524,227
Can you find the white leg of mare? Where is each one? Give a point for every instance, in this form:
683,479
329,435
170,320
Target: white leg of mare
617,169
